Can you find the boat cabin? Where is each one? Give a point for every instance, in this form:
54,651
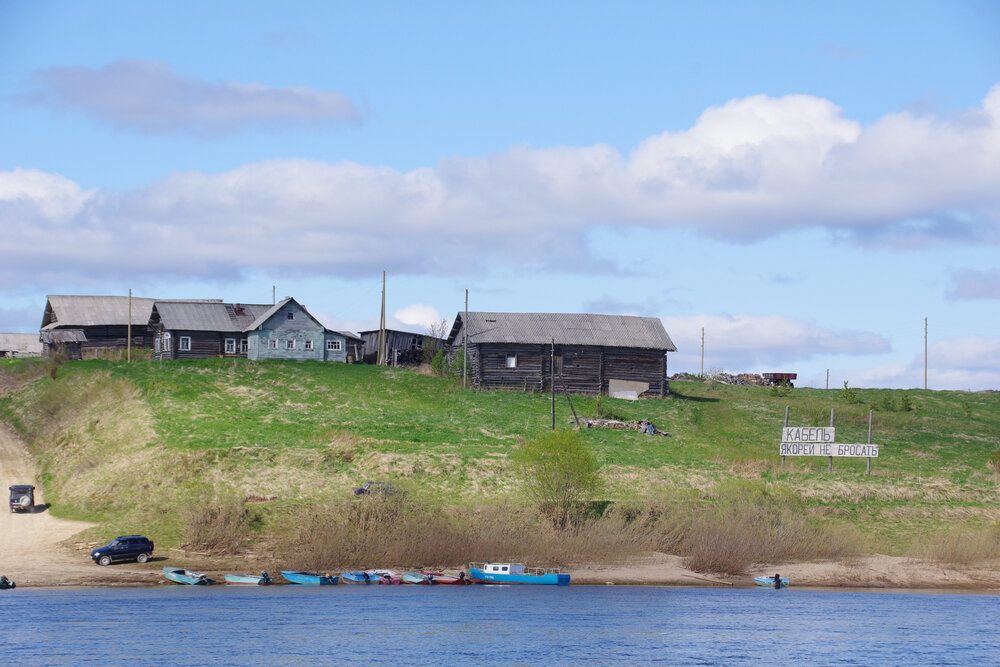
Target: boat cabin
503,568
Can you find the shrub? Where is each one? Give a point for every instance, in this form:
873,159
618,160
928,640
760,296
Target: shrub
994,461
849,394
604,411
219,524
905,402
558,472
783,388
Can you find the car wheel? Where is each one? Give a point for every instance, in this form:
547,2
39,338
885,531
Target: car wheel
142,558
104,560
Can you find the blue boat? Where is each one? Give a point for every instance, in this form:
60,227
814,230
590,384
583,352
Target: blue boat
515,573
262,579
179,575
414,578
769,581
358,578
312,578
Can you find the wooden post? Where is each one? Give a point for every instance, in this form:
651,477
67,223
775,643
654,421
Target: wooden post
380,355
829,465
703,353
552,380
465,344
868,470
786,426
128,332
925,353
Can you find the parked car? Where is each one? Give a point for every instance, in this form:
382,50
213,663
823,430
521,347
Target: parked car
370,487
22,498
128,547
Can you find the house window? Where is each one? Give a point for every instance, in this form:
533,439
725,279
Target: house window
230,346
333,345
291,315
309,345
290,344
511,361
244,346
273,343
185,344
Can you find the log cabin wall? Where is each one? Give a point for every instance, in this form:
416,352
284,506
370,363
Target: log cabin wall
106,337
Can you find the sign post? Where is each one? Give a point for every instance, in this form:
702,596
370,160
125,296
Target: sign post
822,441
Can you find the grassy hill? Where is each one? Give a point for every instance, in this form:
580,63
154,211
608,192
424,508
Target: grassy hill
264,451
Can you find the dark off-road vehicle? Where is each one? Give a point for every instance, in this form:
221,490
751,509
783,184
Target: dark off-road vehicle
22,498
129,547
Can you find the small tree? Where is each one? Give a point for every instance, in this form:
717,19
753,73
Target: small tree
558,472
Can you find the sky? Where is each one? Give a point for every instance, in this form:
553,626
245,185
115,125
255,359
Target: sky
799,185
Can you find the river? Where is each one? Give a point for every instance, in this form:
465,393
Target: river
495,625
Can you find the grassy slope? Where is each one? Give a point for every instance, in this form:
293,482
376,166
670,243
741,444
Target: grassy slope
130,445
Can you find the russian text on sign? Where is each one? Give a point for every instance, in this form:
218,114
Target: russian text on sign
828,449
808,434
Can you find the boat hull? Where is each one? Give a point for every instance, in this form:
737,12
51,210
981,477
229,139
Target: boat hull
247,580
309,578
768,582
357,578
441,579
414,578
548,579
187,577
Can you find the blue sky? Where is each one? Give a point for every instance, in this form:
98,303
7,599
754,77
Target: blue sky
805,181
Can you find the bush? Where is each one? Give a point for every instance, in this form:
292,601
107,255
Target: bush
783,388
849,394
219,524
558,472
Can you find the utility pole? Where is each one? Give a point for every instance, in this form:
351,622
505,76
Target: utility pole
274,294
827,378
465,344
925,353
128,343
380,357
702,352
552,380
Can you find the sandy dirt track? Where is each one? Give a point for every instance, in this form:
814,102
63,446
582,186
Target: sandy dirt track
35,547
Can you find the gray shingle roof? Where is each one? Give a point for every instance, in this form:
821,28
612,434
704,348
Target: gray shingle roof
89,311
208,316
566,328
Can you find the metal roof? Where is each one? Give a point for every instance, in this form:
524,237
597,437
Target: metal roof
566,328
18,342
208,316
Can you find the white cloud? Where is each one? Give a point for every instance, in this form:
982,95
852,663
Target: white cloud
760,343
746,170
975,285
146,96
418,317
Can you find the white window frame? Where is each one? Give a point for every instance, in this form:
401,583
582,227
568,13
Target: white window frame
230,346
184,344
333,345
308,345
290,344
511,361
272,344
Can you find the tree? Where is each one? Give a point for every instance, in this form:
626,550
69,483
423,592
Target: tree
558,472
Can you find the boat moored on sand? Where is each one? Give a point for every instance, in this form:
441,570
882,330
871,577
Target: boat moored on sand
262,579
440,578
776,581
309,578
515,573
179,575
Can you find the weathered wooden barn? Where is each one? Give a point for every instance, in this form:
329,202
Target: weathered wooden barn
402,348
102,320
19,345
200,329
590,354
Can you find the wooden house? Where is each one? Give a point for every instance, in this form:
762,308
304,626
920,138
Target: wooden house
285,330
588,354
101,323
402,348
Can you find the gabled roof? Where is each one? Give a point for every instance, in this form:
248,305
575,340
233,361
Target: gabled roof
566,328
271,310
88,311
200,315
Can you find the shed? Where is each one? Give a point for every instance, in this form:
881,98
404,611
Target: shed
402,348
104,321
589,353
20,345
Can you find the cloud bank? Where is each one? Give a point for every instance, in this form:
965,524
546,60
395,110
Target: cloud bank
147,97
749,169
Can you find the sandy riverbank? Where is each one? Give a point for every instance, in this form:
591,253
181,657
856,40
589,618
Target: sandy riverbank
37,549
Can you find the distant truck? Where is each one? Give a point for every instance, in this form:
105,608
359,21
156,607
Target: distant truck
780,378
22,498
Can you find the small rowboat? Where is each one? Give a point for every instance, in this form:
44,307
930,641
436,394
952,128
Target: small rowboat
414,578
446,579
179,575
385,576
262,579
358,578
515,573
312,578
769,582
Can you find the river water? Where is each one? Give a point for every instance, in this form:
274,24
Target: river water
494,625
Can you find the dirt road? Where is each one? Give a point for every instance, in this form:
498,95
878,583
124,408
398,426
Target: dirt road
33,545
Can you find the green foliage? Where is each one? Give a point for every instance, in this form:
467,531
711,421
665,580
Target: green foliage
905,402
438,363
559,472
994,462
849,394
604,410
966,408
783,388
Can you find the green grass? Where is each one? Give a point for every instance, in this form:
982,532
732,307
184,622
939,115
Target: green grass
301,432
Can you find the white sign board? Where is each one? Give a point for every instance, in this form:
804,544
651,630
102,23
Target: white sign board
828,449
808,434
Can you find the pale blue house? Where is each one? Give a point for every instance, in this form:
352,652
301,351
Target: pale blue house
288,331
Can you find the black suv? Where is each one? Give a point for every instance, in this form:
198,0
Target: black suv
129,547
